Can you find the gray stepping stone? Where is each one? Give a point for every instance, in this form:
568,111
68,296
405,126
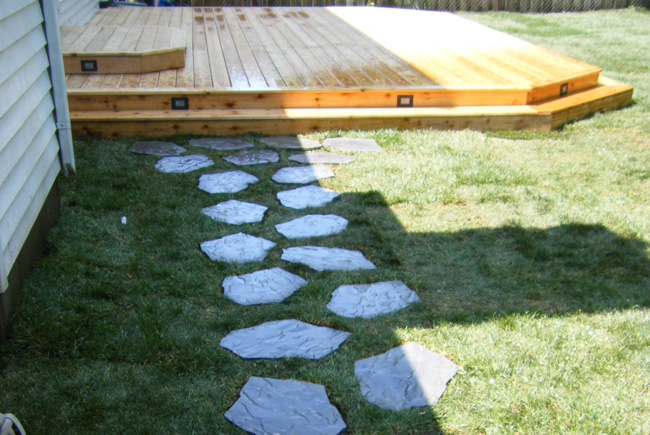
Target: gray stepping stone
320,258
236,212
253,157
182,164
237,248
404,377
301,174
284,339
290,142
322,157
261,287
312,225
351,144
226,182
370,300
272,406
157,148
220,143
307,196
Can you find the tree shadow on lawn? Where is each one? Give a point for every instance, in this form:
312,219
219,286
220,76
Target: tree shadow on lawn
477,275
473,275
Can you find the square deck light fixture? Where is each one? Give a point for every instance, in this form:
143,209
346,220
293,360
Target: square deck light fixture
564,89
180,103
88,65
405,101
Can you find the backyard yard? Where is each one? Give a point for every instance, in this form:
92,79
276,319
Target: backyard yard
530,253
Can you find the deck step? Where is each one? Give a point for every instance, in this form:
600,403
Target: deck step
608,95
294,121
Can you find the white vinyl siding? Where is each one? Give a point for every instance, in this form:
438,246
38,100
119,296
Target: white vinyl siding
77,12
29,161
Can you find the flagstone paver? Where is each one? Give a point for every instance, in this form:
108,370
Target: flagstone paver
301,174
253,157
404,377
182,164
290,142
157,148
221,143
261,287
272,406
236,212
307,196
312,225
320,258
226,182
284,339
322,157
370,300
237,248
353,144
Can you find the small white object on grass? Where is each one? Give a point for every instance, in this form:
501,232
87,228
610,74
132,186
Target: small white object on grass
123,220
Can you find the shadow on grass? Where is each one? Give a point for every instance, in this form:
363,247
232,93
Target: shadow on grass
472,275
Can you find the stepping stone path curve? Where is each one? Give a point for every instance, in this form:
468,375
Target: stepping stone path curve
371,300
403,377
274,406
262,287
157,148
301,174
182,164
236,212
284,339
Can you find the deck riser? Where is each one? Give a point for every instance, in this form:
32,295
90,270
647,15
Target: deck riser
88,102
301,126
554,90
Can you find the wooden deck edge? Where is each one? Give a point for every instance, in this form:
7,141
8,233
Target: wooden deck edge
297,121
609,95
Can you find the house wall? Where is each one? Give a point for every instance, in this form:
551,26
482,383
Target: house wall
29,148
76,12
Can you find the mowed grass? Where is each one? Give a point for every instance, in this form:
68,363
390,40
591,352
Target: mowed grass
530,253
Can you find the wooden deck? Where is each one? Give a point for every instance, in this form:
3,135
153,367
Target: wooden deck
295,70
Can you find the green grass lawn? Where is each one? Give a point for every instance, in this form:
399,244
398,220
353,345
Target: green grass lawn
530,253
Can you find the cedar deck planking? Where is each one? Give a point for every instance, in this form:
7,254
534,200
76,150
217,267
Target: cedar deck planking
281,68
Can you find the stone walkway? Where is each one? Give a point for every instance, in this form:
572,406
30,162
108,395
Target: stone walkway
403,377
